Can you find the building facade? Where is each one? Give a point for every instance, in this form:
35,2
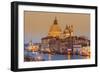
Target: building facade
61,41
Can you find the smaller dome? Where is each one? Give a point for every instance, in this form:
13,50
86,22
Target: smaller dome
68,31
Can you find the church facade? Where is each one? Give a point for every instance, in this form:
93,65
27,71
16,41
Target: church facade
61,41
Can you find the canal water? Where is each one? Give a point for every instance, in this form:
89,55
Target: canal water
47,57
62,57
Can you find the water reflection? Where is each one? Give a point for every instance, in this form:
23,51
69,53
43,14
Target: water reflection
49,57
69,57
36,56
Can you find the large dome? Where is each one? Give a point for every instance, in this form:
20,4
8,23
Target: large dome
55,30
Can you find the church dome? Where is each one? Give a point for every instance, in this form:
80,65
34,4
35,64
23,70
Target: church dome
68,31
55,30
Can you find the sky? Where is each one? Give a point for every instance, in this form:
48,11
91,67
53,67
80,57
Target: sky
37,24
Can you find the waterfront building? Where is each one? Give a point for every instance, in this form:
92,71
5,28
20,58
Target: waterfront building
62,41
33,47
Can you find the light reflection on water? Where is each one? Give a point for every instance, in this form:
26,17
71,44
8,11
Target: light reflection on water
62,57
55,56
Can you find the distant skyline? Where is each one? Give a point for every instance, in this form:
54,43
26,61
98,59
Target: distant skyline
37,24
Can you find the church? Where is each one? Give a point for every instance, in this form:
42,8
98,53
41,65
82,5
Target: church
60,41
